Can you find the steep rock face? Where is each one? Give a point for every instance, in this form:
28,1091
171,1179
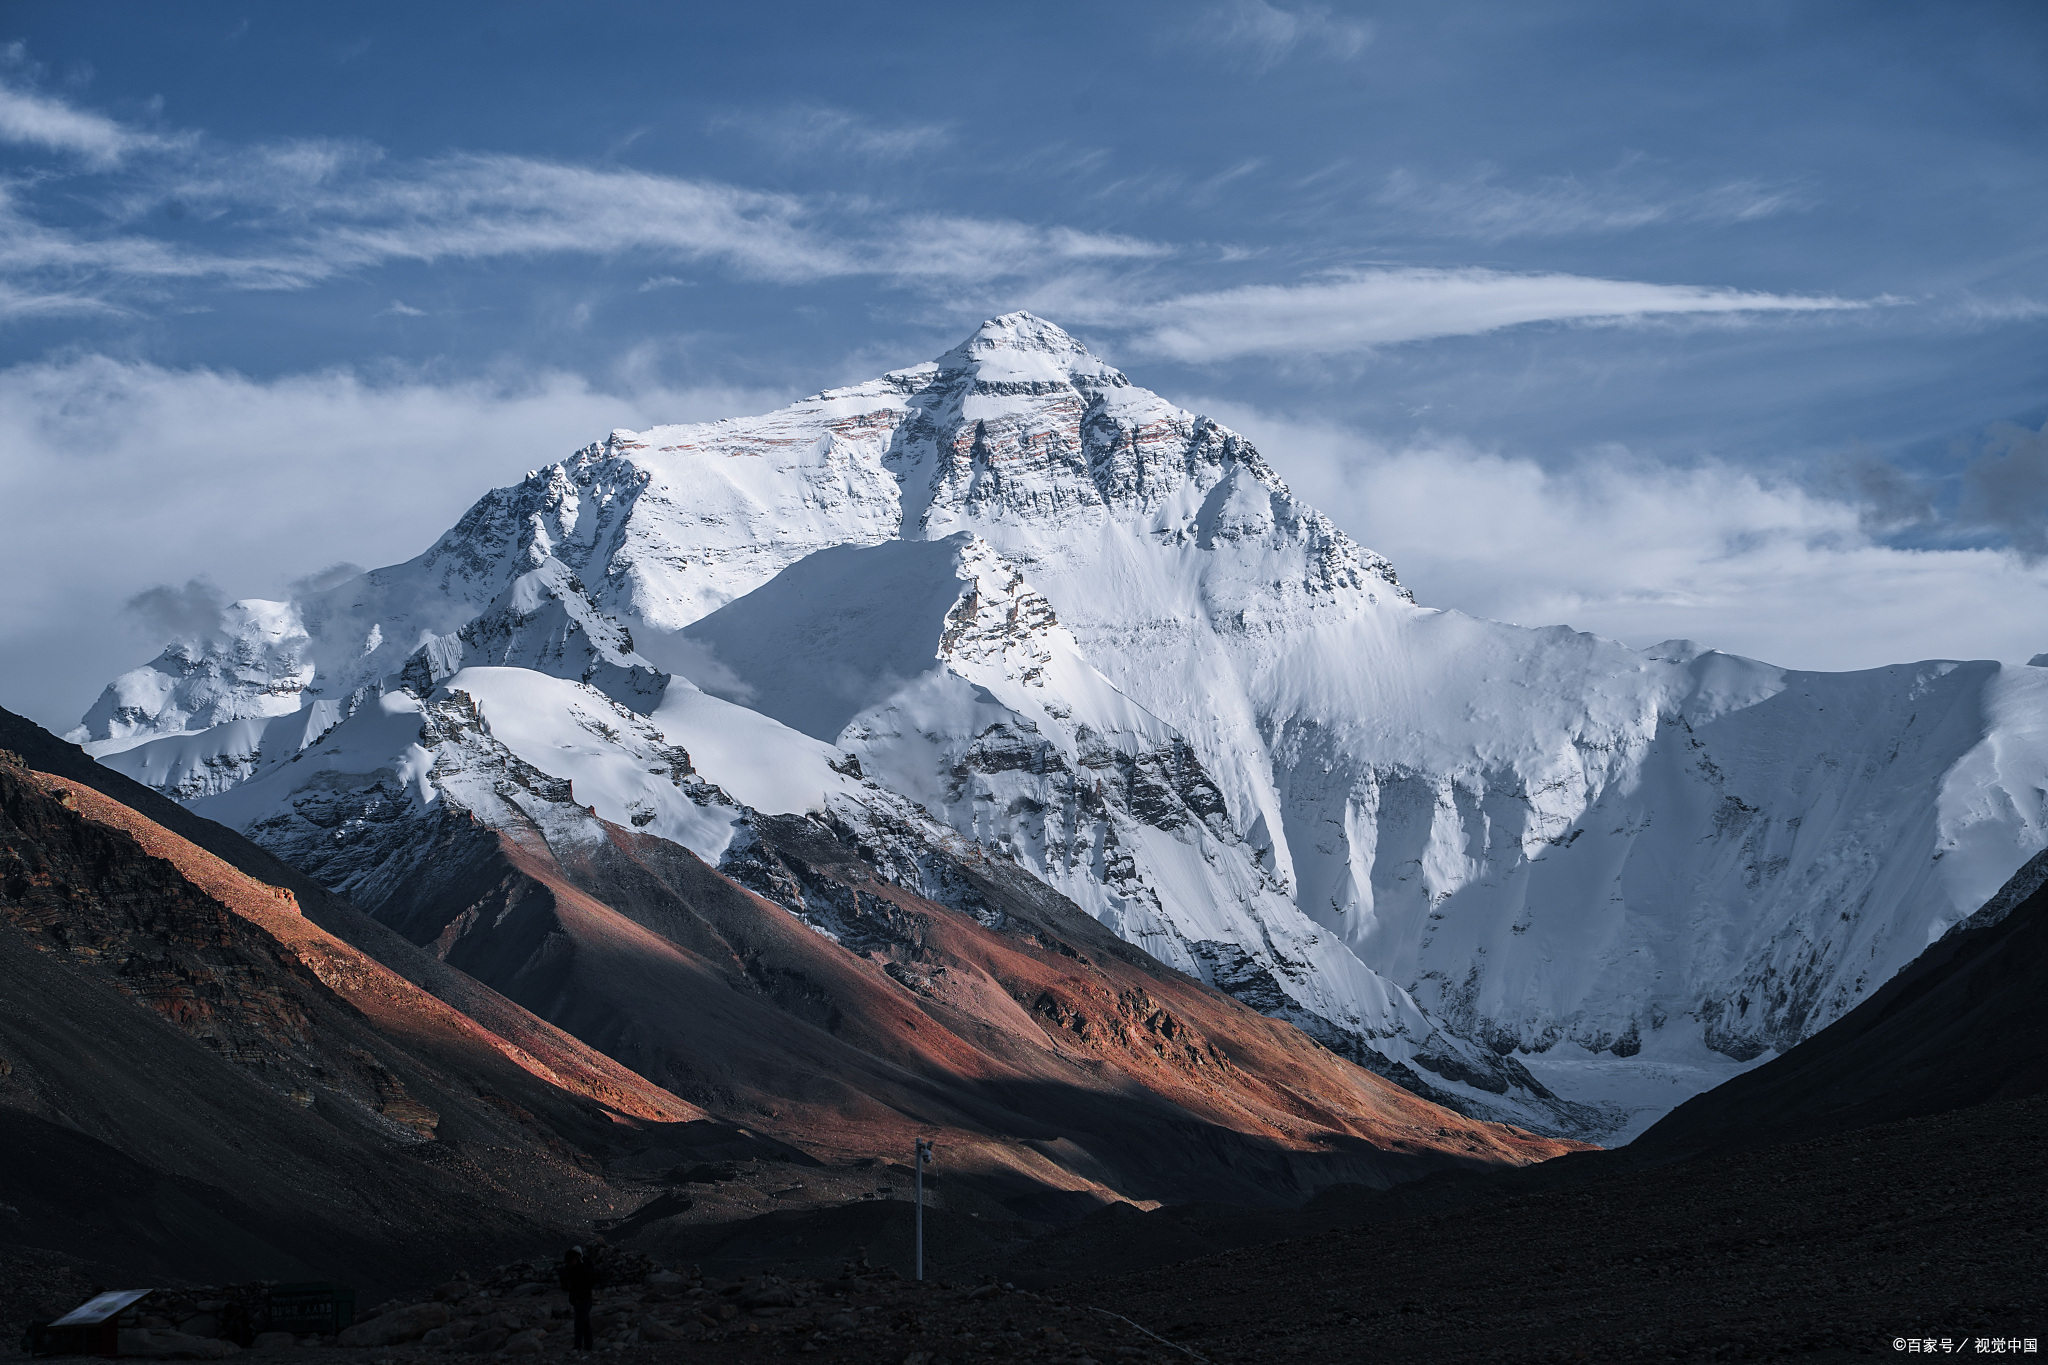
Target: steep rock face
82,888
1637,871
231,961
544,621
844,1025
946,677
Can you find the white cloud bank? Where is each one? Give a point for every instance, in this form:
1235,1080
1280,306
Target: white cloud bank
1644,552
129,476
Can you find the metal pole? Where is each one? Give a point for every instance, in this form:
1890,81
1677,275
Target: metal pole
924,1154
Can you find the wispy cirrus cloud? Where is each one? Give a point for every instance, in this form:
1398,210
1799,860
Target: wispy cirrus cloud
32,119
956,248
1258,35
1363,309
480,206
812,130
310,222
293,214
1480,206
1977,310
23,303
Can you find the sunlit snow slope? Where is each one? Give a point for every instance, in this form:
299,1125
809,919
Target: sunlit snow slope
1098,635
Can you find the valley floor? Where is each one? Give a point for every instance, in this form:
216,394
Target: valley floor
1835,1249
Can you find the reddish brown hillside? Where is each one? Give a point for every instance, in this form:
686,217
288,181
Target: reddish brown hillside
194,1081
1047,1055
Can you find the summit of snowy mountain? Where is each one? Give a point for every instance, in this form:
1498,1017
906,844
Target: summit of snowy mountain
1009,597
1025,350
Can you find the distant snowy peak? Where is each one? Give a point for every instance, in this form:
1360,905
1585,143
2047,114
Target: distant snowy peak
1018,433
545,621
254,664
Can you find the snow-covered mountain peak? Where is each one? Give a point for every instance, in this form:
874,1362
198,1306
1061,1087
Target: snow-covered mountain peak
1020,352
252,664
544,621
1062,619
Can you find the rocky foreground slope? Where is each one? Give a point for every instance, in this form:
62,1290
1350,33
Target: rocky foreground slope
212,1068
197,1080
1010,598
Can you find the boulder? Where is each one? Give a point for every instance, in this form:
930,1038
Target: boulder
656,1330
527,1343
400,1324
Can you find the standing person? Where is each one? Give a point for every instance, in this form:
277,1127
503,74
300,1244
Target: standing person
579,1277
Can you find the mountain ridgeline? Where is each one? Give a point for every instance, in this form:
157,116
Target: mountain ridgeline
1010,632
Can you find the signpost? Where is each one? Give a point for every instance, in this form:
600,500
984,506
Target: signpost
924,1154
321,1308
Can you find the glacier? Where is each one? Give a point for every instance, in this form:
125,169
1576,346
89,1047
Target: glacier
1008,604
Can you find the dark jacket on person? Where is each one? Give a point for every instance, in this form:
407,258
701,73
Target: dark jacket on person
579,1277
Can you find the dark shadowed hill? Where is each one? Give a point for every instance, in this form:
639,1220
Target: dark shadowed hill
1965,1023
1879,1182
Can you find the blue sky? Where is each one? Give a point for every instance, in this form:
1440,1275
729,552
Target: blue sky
1717,320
